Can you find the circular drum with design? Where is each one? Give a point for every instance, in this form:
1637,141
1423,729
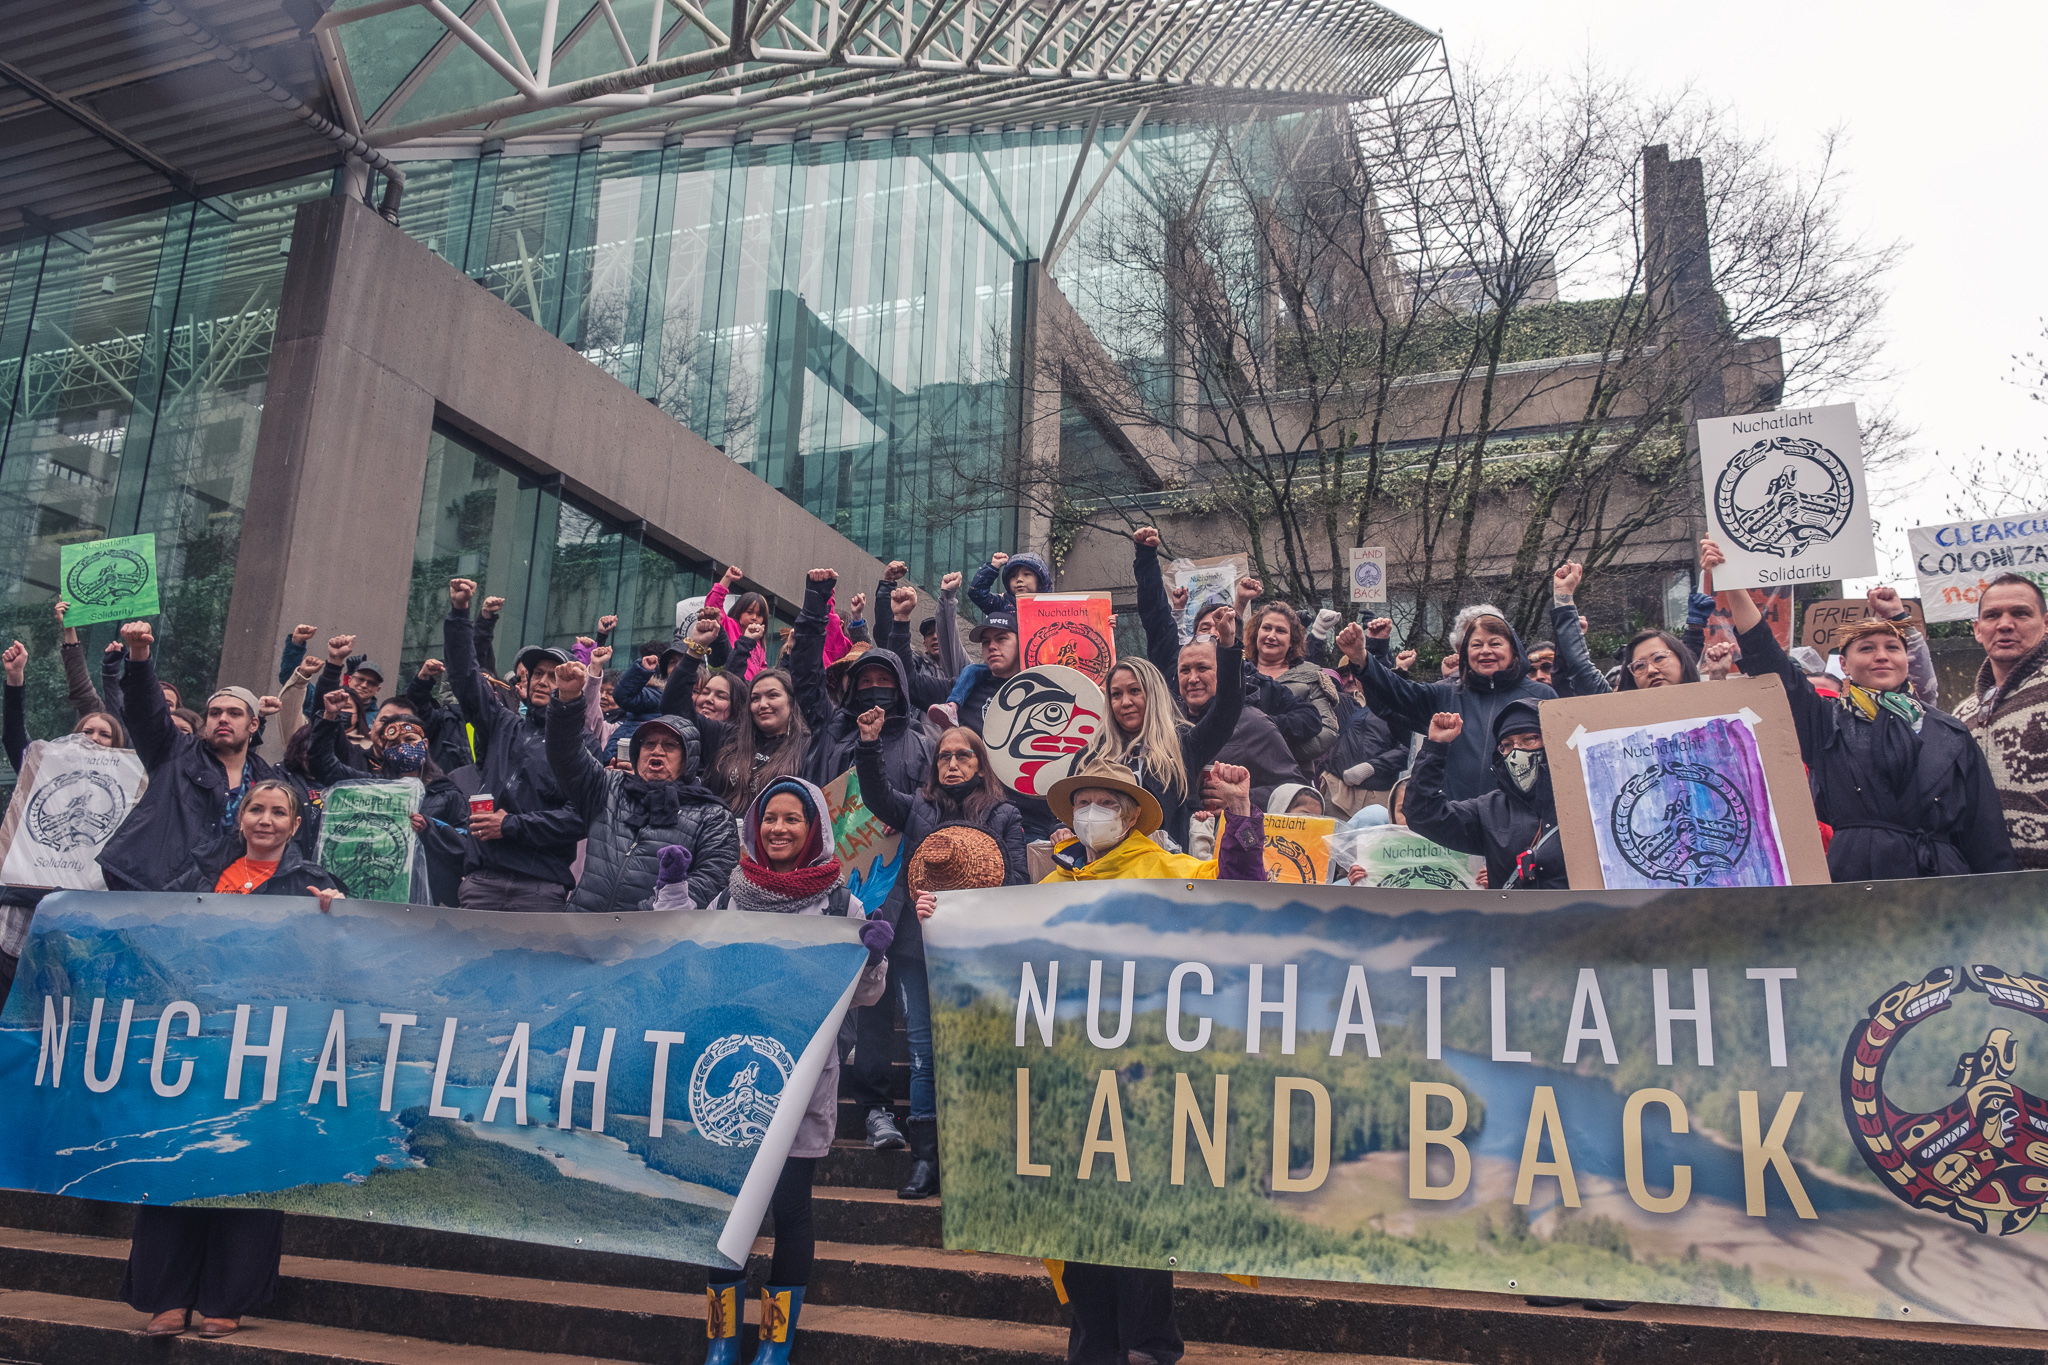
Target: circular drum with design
1039,723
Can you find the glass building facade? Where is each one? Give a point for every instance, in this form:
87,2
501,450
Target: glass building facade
837,315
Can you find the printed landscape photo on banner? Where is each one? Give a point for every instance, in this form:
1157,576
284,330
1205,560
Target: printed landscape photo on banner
605,1082
1721,1098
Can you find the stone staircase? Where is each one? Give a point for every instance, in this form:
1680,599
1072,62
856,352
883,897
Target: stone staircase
883,1293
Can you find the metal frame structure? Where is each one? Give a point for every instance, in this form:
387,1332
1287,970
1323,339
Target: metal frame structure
851,64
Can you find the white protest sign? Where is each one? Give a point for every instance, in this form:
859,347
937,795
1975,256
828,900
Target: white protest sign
1956,561
1368,574
1207,581
1786,498
72,795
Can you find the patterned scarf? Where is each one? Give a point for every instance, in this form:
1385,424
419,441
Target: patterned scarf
1862,702
756,886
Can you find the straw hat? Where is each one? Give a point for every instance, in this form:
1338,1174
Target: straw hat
1108,777
956,858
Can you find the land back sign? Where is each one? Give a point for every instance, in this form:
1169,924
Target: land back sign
1749,1098
619,1083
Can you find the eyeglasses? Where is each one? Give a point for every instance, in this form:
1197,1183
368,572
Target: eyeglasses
1525,740
956,756
1642,666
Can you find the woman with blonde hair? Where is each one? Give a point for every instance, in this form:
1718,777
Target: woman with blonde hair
1147,735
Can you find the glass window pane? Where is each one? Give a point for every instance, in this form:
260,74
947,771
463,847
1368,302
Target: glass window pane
476,521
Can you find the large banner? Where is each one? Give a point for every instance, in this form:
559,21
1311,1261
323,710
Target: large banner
1817,1099
1956,561
614,1082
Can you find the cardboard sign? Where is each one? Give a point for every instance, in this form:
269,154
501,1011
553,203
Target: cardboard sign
1206,579
1825,622
1956,562
1368,574
108,580
1297,848
869,850
1786,498
367,840
1039,723
1688,786
69,798
1070,629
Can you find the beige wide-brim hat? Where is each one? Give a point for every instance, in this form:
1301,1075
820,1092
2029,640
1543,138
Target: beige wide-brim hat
1109,777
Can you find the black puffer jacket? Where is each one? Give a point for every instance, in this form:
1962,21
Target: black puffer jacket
906,745
187,796
917,817
620,855
1501,825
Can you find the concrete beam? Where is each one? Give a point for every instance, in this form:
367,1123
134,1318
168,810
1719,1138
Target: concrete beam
377,337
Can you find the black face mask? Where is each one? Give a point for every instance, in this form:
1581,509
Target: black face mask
960,788
866,699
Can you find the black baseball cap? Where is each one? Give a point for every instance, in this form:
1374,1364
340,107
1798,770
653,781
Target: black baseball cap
928,626
1002,623
538,654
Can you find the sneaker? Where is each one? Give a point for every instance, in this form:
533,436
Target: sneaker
883,1134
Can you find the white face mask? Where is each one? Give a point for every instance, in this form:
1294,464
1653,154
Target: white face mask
1098,827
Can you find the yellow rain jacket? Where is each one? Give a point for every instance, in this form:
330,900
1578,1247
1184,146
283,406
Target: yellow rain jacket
1136,857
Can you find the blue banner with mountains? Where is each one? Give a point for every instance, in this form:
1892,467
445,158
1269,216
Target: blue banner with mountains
613,1082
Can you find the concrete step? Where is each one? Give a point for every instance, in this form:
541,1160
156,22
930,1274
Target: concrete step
852,1164
332,1310
59,1329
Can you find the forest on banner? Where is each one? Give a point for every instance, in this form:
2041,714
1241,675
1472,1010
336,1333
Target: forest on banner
1654,1098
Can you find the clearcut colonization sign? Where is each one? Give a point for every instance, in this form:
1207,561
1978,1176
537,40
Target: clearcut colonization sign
1956,560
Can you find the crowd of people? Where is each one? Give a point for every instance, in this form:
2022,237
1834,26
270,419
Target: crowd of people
694,777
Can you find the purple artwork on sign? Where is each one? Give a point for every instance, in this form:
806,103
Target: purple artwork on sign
1682,804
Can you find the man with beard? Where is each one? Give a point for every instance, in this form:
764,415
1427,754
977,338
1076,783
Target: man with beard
1515,825
525,843
196,781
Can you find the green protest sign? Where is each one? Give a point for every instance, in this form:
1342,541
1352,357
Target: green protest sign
108,580
366,837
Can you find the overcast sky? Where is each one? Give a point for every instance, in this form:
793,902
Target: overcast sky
1941,107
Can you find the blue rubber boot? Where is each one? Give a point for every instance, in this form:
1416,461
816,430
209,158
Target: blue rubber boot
722,1323
780,1305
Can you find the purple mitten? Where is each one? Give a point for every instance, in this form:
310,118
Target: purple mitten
876,935
671,865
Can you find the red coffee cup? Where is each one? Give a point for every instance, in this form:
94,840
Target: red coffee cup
483,803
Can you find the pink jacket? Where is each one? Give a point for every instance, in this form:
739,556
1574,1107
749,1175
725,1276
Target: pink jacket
836,643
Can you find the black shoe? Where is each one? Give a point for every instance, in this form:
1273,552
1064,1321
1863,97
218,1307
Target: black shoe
924,1171
883,1134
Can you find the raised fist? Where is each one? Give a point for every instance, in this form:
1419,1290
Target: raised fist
1885,603
871,721
492,606
903,602
896,572
607,624
1566,580
334,702
705,630
339,647
1247,590
1379,628
1178,596
600,656
753,630
461,591
1147,536
432,669
1404,661
301,634
733,574
1446,726
859,606
15,660
268,706
139,637
823,575
950,583
997,560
